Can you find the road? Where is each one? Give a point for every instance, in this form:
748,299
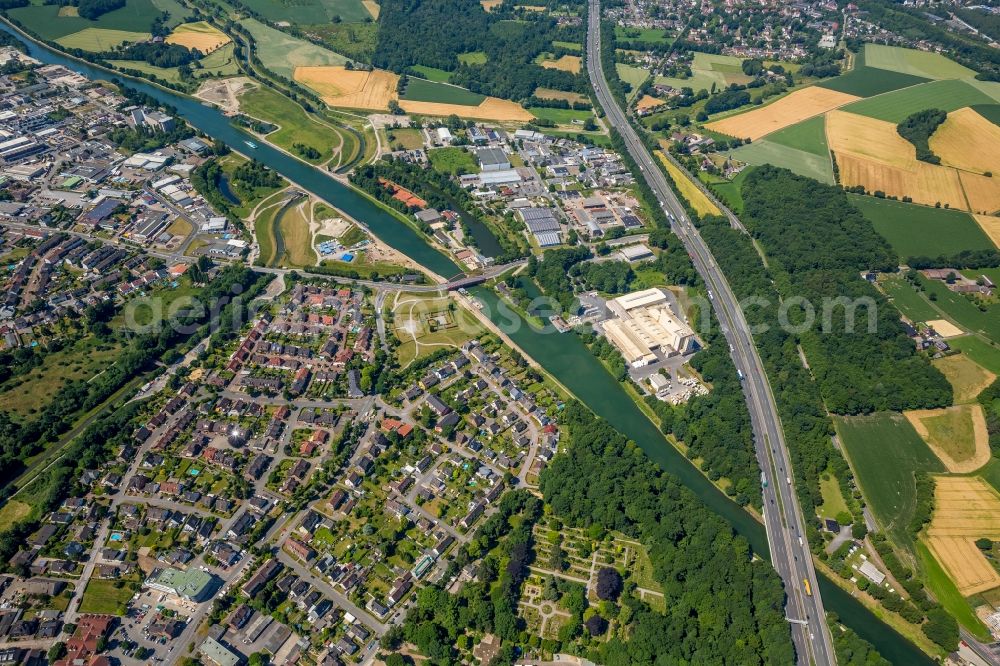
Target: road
782,515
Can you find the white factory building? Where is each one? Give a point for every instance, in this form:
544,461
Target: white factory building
644,324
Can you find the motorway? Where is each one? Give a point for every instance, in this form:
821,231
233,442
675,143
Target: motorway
783,520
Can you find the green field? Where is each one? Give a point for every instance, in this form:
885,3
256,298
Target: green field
833,497
867,81
452,160
709,72
947,594
731,191
921,230
648,35
989,111
178,12
422,90
135,17
809,135
410,139
11,512
766,151
885,452
906,299
221,62
170,74
282,53
634,76
913,62
294,125
991,473
101,596
963,311
354,40
560,116
979,351
431,73
309,12
569,46
473,58
947,95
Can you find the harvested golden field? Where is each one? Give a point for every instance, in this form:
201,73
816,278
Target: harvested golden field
788,110
968,141
701,203
983,192
648,102
567,63
201,35
372,7
352,89
549,93
966,377
926,183
490,4
965,509
868,137
491,108
990,226
957,435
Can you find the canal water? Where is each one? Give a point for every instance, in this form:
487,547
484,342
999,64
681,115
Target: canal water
216,125
563,355
569,361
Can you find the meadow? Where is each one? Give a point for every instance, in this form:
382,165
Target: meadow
431,73
906,299
136,17
311,12
979,350
295,126
885,453
452,161
921,230
422,90
804,163
634,76
282,53
731,192
293,225
947,95
649,35
473,58
808,136
914,62
423,324
560,116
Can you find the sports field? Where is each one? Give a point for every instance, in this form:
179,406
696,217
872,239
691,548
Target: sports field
965,509
136,17
201,35
957,435
311,12
421,90
968,141
566,63
966,377
947,95
283,53
916,63
921,230
885,453
695,197
788,110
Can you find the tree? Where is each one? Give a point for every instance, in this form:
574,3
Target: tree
941,628
984,544
57,651
596,625
609,584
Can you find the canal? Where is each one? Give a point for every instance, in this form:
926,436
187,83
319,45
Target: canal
563,355
212,122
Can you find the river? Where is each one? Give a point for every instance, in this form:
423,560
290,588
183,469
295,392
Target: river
212,122
563,355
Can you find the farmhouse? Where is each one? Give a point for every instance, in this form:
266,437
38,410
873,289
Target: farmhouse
644,325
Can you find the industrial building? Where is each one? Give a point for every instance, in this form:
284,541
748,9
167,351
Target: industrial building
644,324
192,584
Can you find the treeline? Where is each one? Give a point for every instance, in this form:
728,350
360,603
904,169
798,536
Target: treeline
722,607
963,259
435,32
851,649
818,245
917,128
990,400
158,54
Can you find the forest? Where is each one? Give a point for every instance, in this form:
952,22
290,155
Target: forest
722,606
917,128
435,32
158,54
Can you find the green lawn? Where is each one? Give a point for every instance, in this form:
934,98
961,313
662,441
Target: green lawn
221,62
886,452
979,351
452,160
282,53
766,151
431,73
422,90
310,11
947,594
44,20
916,63
947,95
296,127
473,58
101,596
560,116
634,76
731,191
833,498
906,299
808,136
649,35
921,230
